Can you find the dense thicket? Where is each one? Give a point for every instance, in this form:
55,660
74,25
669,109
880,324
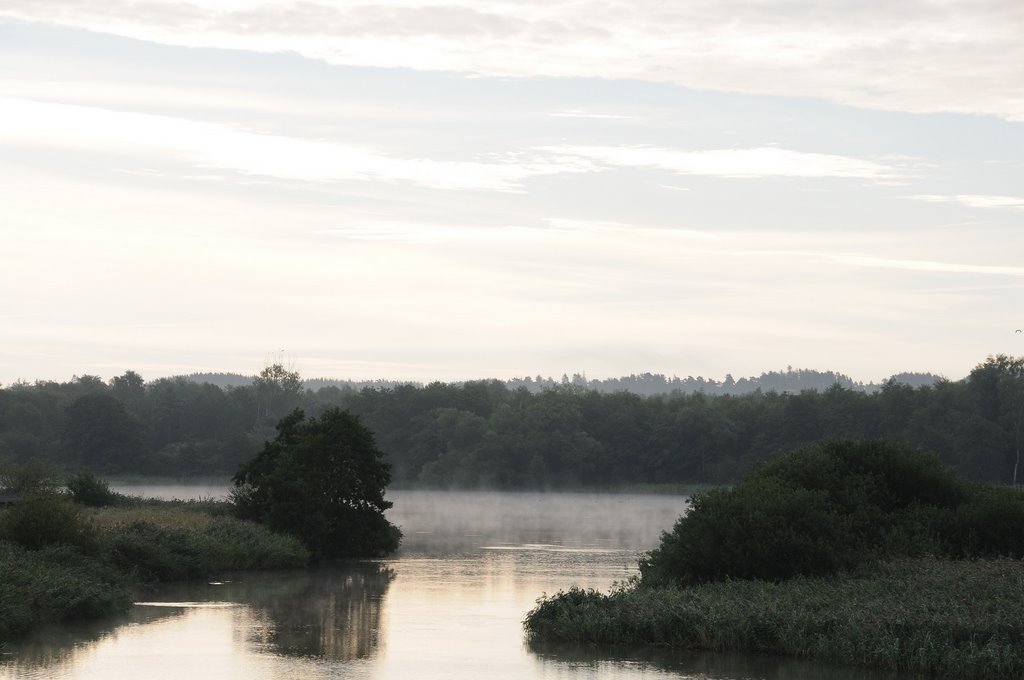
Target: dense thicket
322,480
488,434
834,506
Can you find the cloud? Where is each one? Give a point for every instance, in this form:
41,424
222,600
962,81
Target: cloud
209,145
588,114
754,162
926,265
973,200
917,55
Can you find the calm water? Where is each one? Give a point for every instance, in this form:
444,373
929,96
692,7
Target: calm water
448,606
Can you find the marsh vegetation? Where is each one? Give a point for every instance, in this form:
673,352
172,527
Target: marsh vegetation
863,553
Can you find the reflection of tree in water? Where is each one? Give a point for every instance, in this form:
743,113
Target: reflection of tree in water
590,661
331,613
62,643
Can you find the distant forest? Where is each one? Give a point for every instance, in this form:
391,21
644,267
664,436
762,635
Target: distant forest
646,384
568,433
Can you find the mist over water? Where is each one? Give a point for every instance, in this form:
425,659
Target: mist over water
449,605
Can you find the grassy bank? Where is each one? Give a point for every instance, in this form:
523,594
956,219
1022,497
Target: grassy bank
59,561
951,618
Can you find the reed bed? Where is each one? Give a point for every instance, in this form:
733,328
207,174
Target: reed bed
961,619
60,561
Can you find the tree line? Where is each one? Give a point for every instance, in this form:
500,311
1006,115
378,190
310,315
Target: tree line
493,434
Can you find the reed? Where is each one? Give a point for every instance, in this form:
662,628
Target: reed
60,562
961,619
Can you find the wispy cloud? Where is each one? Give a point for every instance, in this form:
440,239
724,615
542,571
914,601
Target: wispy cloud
591,114
917,56
973,200
209,145
926,265
753,162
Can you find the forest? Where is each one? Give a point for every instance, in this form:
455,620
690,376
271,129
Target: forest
493,434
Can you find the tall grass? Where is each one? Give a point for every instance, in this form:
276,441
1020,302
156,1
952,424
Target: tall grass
961,619
59,561
55,584
166,542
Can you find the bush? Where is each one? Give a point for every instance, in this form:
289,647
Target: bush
322,480
43,521
163,543
88,489
54,584
33,477
833,506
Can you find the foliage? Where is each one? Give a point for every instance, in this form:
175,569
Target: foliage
99,430
60,562
833,506
88,489
32,477
521,434
323,480
42,521
168,542
954,619
55,584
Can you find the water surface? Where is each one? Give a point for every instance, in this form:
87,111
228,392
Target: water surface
449,606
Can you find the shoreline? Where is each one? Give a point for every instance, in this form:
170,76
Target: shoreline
950,618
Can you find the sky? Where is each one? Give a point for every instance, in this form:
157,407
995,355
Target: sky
448,190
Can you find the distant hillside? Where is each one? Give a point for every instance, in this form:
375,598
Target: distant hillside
223,380
789,381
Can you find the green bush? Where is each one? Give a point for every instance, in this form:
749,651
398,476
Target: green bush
43,521
833,506
322,480
154,553
88,489
164,552
54,584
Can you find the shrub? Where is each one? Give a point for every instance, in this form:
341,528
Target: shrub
54,584
33,477
88,489
43,521
168,544
830,507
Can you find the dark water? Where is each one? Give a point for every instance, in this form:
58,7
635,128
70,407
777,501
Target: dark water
449,606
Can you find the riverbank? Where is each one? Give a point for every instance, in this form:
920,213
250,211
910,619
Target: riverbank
60,561
960,619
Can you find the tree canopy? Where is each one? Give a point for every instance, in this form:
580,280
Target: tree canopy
322,480
488,434
832,506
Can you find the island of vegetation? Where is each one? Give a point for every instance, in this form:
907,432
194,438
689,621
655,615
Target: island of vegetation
857,552
77,550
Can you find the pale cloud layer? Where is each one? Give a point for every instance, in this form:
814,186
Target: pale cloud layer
216,146
917,55
171,209
760,162
974,200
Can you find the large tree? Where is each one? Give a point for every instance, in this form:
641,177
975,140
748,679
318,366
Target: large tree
323,480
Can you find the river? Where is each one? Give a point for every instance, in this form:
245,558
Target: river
448,606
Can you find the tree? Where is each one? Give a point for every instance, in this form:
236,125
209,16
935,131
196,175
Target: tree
277,389
101,435
322,480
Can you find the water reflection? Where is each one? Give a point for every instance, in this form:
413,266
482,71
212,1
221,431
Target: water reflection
237,628
449,606
332,612
57,645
